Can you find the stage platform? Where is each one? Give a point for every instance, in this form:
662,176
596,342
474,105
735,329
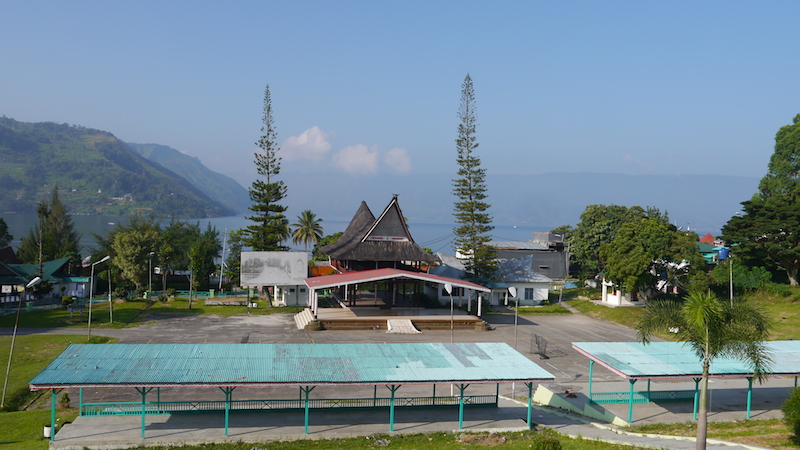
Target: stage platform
375,318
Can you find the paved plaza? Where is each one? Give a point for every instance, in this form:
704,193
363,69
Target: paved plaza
728,397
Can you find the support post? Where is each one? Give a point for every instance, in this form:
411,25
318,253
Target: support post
144,392
394,389
433,399
591,370
530,404
80,401
496,394
749,395
461,388
228,396
374,396
53,414
648,390
696,397
306,390
630,401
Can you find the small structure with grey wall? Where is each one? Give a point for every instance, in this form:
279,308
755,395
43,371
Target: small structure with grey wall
283,272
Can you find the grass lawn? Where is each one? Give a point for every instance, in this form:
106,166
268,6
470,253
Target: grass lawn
446,441
555,308
772,433
31,355
23,430
132,313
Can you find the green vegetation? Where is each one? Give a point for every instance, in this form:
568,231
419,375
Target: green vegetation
96,172
473,221
26,434
307,230
31,355
56,232
125,314
554,308
791,414
271,227
770,433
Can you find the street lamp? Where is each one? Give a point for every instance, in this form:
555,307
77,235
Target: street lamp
150,279
30,284
91,295
449,288
513,291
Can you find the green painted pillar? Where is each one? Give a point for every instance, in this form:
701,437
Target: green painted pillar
394,389
228,396
306,390
696,396
648,390
158,400
433,400
374,396
144,392
53,414
630,401
749,395
461,388
530,403
591,370
80,402
496,394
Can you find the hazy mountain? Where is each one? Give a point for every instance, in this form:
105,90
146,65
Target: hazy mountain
95,172
700,202
219,187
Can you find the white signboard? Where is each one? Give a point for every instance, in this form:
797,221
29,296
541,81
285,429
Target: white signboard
274,268
6,289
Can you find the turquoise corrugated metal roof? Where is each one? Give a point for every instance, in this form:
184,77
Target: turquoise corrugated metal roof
144,365
676,360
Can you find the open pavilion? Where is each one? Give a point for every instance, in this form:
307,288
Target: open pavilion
635,361
146,367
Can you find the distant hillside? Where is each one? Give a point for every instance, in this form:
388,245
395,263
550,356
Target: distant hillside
216,186
95,172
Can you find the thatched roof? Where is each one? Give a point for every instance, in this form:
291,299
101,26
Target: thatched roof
383,239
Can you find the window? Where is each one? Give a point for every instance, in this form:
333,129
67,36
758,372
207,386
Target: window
528,293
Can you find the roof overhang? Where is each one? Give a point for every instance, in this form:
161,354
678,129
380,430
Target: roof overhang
368,276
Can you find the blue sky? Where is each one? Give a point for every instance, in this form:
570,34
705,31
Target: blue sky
370,88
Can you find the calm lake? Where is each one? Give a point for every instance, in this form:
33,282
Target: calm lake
436,236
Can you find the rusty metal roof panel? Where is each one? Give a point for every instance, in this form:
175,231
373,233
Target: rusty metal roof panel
146,365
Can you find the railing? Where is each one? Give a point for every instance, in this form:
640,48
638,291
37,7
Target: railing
642,397
151,408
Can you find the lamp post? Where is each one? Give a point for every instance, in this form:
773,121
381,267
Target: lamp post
30,284
513,291
449,288
150,279
91,296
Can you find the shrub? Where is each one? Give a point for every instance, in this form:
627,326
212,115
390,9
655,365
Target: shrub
67,300
64,399
778,289
791,413
546,439
121,292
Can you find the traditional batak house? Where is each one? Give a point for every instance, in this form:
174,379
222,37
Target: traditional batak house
369,243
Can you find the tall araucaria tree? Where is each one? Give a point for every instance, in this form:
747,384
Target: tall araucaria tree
53,237
769,228
269,229
711,328
471,210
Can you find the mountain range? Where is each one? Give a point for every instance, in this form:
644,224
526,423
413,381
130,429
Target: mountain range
95,173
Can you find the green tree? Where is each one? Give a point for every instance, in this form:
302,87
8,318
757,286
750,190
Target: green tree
471,210
233,260
650,250
711,328
598,226
268,231
53,237
769,228
5,236
172,252
131,246
201,258
317,254
307,229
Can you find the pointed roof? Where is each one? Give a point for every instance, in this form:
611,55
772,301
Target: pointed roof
383,239
707,238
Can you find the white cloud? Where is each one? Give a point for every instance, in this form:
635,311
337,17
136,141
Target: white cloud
311,144
357,159
398,160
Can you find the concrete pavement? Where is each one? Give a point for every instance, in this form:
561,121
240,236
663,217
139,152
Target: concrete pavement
570,369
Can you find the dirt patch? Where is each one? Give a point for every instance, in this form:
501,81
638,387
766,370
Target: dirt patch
486,440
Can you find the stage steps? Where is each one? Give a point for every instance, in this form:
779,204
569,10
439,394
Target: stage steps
401,326
303,318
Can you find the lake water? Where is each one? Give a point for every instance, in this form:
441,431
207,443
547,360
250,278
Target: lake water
436,236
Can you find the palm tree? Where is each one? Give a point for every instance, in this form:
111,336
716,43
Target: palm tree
711,328
307,230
